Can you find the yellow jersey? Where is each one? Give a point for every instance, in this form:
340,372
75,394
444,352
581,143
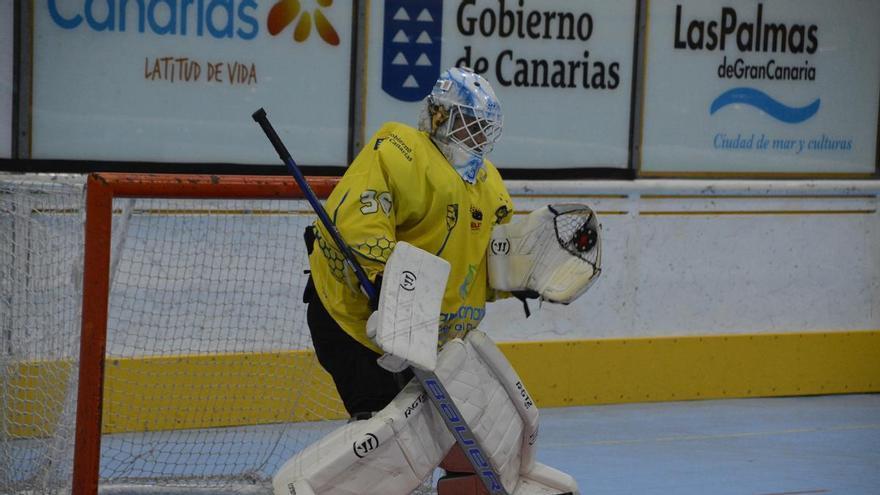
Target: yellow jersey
401,188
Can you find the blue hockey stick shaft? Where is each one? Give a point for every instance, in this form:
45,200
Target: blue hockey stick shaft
435,390
260,117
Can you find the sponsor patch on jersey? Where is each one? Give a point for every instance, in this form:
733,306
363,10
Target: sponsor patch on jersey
401,146
378,142
413,30
501,213
476,218
451,216
465,288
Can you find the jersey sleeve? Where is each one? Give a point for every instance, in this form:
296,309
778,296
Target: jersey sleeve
370,201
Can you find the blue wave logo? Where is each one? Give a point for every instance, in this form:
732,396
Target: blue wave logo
763,101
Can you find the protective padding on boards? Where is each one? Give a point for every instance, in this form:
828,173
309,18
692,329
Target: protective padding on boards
413,285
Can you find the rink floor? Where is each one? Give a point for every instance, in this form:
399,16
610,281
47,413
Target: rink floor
778,446
803,445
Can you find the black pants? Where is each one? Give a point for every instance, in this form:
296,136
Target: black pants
363,385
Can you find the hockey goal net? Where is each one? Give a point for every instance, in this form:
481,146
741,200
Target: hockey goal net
152,333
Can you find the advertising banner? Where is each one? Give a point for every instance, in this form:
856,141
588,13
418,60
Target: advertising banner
6,78
562,70
789,86
177,81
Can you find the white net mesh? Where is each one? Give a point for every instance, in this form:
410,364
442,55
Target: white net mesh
41,244
208,381
205,308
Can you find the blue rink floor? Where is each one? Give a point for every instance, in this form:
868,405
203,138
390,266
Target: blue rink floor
779,446
803,445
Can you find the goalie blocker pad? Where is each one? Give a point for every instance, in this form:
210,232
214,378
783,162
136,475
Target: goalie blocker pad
405,323
555,251
392,452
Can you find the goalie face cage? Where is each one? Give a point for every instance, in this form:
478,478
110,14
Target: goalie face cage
207,343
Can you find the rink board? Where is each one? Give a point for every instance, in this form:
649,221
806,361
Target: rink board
182,392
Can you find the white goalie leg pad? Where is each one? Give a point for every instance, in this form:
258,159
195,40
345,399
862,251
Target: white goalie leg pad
516,391
544,480
390,453
485,405
533,478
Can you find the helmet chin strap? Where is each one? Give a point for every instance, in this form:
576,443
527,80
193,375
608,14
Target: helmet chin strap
467,164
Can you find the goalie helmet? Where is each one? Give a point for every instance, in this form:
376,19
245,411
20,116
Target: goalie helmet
556,251
463,117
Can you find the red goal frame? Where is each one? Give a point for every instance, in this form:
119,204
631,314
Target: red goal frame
101,188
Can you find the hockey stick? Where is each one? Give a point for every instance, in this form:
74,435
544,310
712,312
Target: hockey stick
435,390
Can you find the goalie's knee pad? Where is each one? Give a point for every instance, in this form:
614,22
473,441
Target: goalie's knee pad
392,452
479,374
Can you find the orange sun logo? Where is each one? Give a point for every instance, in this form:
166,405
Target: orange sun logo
285,11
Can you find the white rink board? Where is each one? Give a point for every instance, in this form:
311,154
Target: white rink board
679,258
709,258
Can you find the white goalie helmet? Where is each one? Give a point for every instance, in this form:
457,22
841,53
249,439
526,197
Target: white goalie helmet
463,117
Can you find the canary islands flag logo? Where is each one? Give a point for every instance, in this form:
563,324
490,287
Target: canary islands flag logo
411,47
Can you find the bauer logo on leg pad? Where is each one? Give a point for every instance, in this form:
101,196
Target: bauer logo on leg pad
291,488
